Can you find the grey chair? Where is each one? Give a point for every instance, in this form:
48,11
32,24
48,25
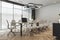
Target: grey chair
11,27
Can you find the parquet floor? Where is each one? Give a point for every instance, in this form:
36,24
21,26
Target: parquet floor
47,35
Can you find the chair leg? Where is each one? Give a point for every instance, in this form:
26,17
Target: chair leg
11,32
8,33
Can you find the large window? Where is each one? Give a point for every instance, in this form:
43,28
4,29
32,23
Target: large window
7,13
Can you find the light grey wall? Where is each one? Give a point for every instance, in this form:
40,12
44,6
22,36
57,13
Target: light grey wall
0,15
49,13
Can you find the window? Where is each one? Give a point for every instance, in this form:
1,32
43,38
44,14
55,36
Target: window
17,12
7,13
7,9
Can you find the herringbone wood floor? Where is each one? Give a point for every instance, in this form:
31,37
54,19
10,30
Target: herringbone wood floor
47,35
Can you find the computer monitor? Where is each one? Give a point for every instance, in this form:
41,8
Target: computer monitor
24,19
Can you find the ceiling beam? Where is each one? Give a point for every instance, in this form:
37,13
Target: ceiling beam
13,2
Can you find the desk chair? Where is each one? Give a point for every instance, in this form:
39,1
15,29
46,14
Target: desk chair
11,27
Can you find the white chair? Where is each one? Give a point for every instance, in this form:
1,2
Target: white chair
11,26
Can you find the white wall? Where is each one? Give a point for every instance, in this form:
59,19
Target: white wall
0,15
49,13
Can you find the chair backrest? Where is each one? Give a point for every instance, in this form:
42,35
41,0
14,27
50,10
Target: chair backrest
7,24
13,23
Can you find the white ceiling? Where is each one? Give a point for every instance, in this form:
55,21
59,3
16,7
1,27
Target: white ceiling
44,2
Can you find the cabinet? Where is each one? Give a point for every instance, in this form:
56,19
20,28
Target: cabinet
56,30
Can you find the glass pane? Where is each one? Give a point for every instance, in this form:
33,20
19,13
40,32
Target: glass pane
7,10
17,7
17,14
27,13
4,18
8,5
6,14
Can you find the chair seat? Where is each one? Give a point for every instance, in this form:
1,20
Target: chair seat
16,30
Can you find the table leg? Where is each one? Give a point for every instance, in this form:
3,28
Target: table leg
21,29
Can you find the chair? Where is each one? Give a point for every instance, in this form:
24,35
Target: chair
11,26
